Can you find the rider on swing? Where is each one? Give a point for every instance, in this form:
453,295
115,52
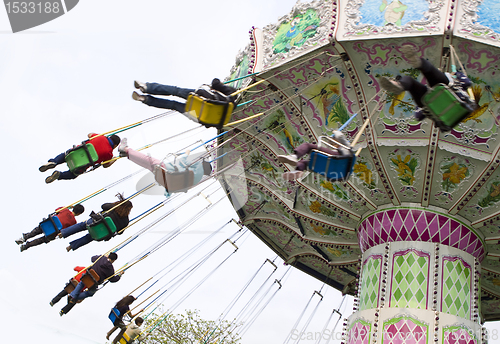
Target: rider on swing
458,82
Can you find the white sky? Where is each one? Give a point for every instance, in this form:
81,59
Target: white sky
75,75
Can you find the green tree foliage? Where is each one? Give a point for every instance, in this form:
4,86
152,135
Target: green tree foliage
190,328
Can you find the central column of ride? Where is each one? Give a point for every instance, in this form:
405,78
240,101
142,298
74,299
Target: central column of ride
419,280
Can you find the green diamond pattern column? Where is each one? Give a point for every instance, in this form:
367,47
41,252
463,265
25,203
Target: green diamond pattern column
410,276
456,287
370,282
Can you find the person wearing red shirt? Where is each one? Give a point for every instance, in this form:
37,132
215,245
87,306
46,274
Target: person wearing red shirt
81,270
104,148
67,218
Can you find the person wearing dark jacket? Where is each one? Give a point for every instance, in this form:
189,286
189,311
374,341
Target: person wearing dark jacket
167,90
123,308
63,293
119,215
457,81
103,267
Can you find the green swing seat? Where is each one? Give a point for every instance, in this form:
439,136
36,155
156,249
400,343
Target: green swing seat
102,229
80,158
446,109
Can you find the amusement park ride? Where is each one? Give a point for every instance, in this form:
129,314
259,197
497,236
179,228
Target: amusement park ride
413,232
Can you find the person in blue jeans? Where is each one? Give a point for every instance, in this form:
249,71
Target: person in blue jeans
458,81
104,147
167,90
103,267
119,215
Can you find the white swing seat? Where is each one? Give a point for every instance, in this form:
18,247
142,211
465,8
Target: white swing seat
174,181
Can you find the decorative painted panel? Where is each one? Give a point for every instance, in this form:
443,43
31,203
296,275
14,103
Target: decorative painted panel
456,287
410,277
370,282
383,18
407,224
359,332
304,28
458,335
405,330
479,20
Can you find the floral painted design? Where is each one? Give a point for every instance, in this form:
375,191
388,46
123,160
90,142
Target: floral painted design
282,129
365,174
317,207
335,189
332,105
453,174
492,197
328,99
334,251
405,166
323,231
257,160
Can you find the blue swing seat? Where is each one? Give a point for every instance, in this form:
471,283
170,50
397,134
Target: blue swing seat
332,167
50,226
114,314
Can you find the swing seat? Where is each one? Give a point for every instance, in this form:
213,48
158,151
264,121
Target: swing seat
103,229
51,226
114,314
90,278
80,158
332,167
445,107
210,113
71,285
125,339
174,181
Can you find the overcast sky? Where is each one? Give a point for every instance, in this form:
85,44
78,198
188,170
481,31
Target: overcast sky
74,75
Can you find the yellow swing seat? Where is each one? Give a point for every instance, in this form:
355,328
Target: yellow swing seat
179,181
125,339
209,112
